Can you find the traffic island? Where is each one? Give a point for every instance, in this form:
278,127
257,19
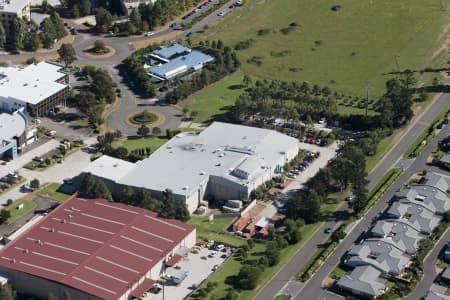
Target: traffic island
145,117
99,49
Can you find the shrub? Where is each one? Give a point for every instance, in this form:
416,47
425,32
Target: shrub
243,44
263,31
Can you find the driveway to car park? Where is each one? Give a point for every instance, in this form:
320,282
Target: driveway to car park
73,165
199,269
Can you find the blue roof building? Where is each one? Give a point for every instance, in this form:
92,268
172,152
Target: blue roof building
177,59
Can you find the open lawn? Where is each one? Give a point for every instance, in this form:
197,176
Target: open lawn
28,205
349,49
215,230
153,142
51,191
212,102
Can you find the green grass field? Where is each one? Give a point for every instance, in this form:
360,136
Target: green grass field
355,46
28,205
153,142
51,191
212,102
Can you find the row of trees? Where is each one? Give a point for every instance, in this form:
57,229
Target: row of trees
81,8
226,62
166,207
99,93
288,100
27,35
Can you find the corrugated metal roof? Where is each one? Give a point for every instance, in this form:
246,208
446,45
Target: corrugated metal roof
96,246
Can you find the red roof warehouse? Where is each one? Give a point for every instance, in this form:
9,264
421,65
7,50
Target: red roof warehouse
93,249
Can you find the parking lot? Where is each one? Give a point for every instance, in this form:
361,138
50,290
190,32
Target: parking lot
199,267
326,153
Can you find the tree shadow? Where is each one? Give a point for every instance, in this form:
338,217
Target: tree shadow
236,87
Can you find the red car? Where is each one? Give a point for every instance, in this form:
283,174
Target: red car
50,132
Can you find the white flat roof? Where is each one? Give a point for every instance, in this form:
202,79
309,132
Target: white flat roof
109,167
188,159
12,6
11,125
31,84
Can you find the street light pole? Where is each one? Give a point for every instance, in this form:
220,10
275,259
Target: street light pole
367,98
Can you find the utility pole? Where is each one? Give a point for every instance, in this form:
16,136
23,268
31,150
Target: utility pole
367,98
396,62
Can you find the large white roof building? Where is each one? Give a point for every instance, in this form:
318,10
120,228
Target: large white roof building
38,87
225,161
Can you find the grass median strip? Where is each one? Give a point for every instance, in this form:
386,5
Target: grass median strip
388,179
19,208
51,191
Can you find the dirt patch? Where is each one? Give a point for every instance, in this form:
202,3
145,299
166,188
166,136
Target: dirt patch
156,40
445,44
111,52
161,120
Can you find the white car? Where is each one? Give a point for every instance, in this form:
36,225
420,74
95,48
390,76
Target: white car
221,14
149,33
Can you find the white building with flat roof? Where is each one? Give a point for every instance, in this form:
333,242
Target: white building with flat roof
11,9
38,87
225,161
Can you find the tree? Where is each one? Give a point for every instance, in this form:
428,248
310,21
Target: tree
52,296
338,235
135,18
447,216
121,152
34,184
360,200
143,131
67,296
85,7
4,216
247,80
99,46
18,31
100,190
248,277
7,293
103,19
47,33
2,36
58,24
156,131
46,7
67,53
87,184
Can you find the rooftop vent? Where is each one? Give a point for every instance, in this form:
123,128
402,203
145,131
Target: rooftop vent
184,188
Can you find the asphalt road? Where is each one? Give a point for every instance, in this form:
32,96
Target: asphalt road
429,265
312,289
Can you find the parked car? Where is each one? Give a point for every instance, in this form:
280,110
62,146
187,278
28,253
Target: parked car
215,267
189,34
150,33
221,14
328,230
38,158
